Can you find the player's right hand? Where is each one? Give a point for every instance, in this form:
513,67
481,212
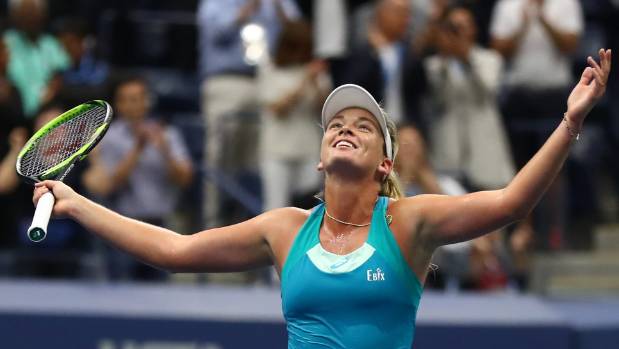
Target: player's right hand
65,196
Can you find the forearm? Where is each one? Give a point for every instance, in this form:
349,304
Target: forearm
151,244
530,184
122,172
179,171
507,46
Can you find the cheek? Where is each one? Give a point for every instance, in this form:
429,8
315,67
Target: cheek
378,147
324,144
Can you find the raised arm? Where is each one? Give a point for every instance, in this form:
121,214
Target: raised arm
451,219
238,247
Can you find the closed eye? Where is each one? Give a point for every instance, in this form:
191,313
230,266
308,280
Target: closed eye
335,125
365,128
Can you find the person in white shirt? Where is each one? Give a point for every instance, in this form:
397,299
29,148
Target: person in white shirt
536,38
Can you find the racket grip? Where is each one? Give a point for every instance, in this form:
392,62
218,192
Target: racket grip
38,228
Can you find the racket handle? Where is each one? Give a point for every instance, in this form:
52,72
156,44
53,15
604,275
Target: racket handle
38,228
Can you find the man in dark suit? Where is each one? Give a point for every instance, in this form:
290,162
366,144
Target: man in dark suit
385,64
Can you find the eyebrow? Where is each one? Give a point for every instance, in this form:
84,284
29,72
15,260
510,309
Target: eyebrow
338,116
371,120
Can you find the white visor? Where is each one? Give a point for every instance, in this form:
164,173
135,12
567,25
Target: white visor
355,96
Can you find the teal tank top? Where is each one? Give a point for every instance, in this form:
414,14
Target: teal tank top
365,299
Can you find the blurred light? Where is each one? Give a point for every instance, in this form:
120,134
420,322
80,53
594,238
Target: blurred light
254,40
252,33
253,54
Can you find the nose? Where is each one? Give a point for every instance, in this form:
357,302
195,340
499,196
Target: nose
344,130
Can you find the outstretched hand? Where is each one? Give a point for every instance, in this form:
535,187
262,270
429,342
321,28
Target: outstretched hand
590,88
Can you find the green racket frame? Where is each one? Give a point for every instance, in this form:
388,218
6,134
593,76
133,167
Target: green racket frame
58,170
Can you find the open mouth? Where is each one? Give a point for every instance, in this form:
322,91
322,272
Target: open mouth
344,144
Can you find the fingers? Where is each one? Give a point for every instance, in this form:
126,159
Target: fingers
600,71
587,76
39,190
47,184
594,64
598,75
605,60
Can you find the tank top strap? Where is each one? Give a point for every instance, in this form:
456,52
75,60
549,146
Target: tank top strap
379,222
306,238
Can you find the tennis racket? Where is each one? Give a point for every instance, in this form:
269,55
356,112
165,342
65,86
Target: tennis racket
54,149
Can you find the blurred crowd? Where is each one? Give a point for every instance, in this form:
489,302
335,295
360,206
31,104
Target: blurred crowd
217,106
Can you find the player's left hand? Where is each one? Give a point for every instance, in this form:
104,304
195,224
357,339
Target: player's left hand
590,88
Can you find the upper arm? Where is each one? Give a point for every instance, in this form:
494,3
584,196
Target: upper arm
237,247
449,219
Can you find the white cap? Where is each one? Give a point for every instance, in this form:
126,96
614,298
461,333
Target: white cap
355,96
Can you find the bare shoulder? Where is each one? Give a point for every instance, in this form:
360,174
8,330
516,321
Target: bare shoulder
281,227
282,224
285,217
412,204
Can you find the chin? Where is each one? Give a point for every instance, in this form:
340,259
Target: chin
346,166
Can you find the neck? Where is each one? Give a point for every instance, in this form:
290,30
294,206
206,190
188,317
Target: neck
350,201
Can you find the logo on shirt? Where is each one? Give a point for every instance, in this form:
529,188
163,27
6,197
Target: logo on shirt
377,275
339,263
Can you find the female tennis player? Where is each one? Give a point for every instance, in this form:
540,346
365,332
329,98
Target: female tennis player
352,269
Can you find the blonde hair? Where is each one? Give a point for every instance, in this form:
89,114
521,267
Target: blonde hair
391,186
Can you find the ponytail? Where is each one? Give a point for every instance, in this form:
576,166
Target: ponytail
391,186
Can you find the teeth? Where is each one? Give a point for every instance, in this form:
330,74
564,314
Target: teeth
344,144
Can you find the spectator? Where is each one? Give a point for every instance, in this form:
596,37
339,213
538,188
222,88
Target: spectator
414,169
87,77
8,177
12,193
537,37
228,75
37,58
11,113
292,88
146,164
467,135
13,133
385,64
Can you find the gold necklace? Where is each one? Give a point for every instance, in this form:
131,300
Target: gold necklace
346,223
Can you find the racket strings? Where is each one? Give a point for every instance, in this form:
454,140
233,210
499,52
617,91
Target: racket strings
61,142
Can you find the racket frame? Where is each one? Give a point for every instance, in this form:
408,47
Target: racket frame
60,169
